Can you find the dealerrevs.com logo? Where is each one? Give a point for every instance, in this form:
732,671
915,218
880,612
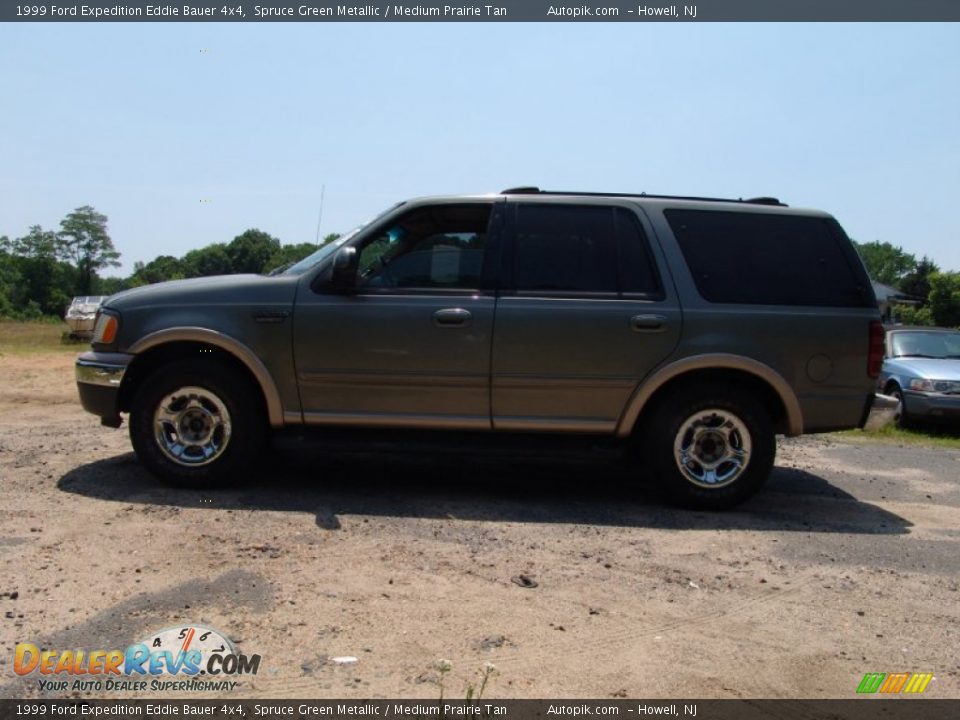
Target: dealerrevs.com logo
190,657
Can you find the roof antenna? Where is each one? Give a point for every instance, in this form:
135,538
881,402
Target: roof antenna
323,189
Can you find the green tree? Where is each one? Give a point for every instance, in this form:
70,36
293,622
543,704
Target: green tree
111,285
886,263
917,283
944,298
44,283
37,243
160,269
209,260
251,251
85,243
9,279
289,254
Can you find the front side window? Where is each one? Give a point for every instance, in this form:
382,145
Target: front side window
436,247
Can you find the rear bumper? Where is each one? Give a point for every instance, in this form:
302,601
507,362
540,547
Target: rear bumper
99,376
881,411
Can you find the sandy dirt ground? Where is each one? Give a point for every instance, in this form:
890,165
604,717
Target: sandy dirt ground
848,562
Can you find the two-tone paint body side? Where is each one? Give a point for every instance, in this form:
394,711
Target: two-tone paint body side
247,316
814,357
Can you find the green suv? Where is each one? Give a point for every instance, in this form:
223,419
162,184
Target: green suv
686,332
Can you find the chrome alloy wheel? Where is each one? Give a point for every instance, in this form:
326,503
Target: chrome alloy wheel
192,426
712,448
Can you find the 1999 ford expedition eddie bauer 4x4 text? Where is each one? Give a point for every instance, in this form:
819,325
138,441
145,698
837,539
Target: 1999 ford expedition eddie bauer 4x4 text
686,331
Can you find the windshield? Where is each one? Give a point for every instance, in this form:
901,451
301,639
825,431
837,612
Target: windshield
322,253
88,299
926,344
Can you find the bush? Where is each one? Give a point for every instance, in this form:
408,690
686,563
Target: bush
911,315
945,298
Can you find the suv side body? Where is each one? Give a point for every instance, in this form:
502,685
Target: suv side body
560,314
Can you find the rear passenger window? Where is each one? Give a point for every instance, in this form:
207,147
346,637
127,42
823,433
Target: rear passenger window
766,259
581,249
637,271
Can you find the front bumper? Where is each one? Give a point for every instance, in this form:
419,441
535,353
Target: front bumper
932,406
881,412
99,376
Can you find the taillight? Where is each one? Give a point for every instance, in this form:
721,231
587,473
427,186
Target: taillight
875,355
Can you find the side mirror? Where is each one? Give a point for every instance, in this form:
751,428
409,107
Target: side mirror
344,275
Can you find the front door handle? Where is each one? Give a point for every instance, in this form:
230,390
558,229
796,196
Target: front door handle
648,323
270,316
452,317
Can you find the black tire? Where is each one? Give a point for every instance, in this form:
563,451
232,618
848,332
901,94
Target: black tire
222,409
713,423
902,418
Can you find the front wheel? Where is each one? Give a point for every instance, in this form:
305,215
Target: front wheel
709,446
197,424
900,416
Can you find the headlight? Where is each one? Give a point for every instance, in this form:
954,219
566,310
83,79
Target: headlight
942,386
105,331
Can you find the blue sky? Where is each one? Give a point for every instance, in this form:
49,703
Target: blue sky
186,134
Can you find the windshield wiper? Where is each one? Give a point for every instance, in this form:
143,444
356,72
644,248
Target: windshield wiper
920,355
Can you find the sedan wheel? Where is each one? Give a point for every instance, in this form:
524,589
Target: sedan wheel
900,416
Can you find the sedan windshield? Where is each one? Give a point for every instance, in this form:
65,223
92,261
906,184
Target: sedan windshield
924,343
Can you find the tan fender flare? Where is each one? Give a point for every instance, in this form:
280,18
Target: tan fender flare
715,361
237,349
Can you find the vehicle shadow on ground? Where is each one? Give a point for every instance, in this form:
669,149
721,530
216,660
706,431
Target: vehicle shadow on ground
330,485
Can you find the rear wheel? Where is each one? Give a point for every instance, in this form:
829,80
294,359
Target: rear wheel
197,424
709,446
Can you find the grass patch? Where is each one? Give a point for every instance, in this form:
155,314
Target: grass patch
940,437
35,338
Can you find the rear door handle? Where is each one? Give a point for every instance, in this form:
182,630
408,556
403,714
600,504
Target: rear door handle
452,317
648,323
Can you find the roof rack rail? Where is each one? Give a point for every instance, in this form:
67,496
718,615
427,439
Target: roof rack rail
764,201
522,190
533,190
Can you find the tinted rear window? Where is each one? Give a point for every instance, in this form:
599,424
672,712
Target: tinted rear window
565,248
767,259
582,249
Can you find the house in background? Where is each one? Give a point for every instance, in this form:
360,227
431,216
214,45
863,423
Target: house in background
888,298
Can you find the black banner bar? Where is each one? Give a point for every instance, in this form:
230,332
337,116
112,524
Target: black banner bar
484,11
854,709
